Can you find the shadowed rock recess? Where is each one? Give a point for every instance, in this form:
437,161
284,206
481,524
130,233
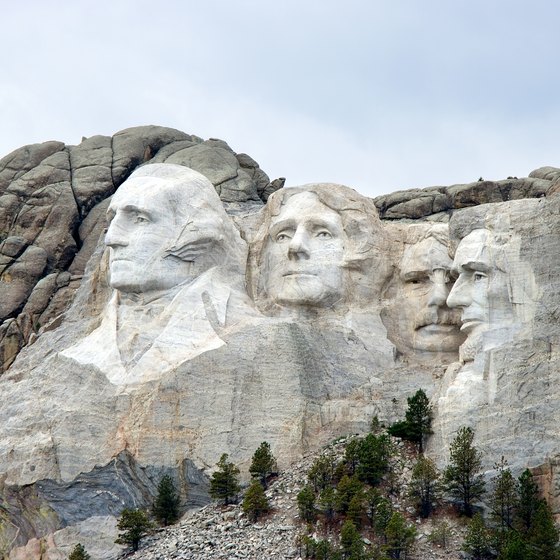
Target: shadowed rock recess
163,302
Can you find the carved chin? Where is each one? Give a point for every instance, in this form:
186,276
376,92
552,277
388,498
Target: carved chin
437,338
304,290
472,346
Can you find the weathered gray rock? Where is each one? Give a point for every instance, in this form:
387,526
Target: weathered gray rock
421,203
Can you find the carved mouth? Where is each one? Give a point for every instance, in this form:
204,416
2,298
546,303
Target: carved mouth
470,324
296,273
436,328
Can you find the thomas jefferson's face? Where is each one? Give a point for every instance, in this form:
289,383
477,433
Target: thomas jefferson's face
143,225
430,325
304,253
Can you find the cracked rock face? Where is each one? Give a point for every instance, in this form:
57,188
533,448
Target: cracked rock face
149,331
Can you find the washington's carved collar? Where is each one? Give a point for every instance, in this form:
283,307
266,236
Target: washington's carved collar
155,297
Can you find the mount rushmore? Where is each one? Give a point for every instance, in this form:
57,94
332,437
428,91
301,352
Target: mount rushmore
163,302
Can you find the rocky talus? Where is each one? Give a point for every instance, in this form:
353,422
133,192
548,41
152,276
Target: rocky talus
217,532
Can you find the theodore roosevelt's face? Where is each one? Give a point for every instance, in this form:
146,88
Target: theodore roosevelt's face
143,224
304,253
429,325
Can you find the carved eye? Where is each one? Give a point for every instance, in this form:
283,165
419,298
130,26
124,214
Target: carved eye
138,219
417,280
282,237
323,235
478,276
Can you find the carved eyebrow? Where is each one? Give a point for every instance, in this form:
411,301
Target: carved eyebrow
476,266
415,274
281,225
322,223
133,209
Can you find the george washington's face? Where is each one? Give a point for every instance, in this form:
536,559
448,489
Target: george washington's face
143,224
304,254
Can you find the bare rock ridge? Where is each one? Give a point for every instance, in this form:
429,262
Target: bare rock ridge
163,302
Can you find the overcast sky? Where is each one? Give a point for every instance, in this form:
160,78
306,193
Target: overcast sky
380,95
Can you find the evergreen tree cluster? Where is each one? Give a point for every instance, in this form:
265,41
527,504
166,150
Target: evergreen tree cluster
79,553
521,523
348,497
353,494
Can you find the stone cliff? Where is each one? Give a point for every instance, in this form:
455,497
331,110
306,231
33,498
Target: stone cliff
153,317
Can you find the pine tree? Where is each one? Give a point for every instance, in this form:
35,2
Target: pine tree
534,522
351,541
418,420
504,498
371,499
374,455
263,464
166,505
306,504
478,540
461,476
324,550
255,503
321,473
399,536
352,455
424,487
133,524
224,484
79,553
378,510
514,548
356,509
346,489
529,501
327,503
542,538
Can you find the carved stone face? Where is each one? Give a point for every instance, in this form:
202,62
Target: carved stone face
304,254
143,226
425,276
481,290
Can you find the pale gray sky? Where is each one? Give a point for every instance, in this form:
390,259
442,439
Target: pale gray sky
380,95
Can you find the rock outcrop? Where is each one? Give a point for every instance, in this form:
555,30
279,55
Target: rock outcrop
184,331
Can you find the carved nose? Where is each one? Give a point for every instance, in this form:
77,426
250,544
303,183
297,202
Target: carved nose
459,296
115,235
439,292
299,246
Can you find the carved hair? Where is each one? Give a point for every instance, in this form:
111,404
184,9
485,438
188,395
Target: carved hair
197,209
